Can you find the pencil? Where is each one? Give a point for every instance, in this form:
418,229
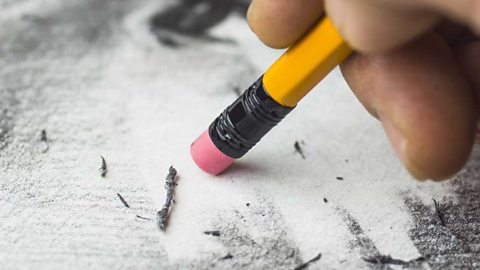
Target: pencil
269,99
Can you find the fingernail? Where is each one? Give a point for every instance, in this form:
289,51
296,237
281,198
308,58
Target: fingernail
400,144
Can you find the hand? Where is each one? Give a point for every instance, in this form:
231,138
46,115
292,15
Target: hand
417,68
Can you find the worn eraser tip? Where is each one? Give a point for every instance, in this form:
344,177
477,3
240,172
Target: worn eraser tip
207,156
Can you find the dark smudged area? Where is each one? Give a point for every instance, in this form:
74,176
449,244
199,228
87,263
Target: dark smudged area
369,252
272,249
456,243
193,18
365,246
56,40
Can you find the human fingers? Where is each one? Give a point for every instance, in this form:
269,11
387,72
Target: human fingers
279,23
424,101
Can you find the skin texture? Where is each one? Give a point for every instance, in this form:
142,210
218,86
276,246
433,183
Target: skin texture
417,69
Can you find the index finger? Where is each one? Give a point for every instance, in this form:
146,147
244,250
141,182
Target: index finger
279,23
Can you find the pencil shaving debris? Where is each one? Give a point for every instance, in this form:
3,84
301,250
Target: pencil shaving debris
162,215
299,149
212,233
124,202
439,212
140,217
43,136
227,257
103,167
44,140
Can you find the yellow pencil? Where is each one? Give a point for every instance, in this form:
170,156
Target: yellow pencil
264,104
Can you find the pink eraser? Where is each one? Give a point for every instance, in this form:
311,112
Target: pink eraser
208,157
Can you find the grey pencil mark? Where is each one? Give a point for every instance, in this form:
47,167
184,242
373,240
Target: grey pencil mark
368,249
124,202
387,259
103,167
162,215
307,263
361,241
272,249
454,245
457,244
236,89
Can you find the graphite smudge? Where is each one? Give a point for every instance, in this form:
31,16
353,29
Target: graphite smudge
360,242
124,202
162,215
236,89
298,149
387,259
307,263
103,167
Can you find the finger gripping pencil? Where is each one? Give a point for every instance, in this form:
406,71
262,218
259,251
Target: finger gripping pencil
267,101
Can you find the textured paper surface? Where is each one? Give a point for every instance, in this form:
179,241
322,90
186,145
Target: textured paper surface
136,82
